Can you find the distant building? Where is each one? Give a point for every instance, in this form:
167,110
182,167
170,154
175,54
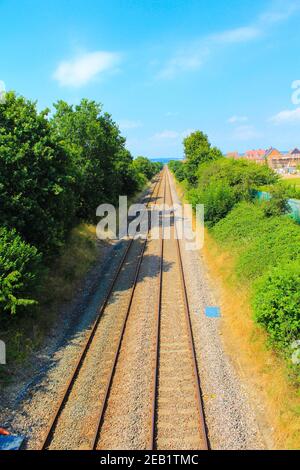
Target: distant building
283,161
234,155
257,156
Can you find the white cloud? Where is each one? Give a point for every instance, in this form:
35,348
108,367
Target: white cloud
237,35
286,116
127,124
81,70
171,114
167,134
246,132
281,11
237,119
194,54
183,61
172,135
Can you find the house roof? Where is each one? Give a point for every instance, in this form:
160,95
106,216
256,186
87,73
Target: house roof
255,153
272,150
295,151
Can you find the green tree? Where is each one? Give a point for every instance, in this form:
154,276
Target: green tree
35,177
197,150
177,167
146,167
100,162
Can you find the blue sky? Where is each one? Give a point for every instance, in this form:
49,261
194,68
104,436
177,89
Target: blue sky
163,67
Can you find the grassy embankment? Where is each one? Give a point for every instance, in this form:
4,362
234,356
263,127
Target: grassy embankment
22,334
265,370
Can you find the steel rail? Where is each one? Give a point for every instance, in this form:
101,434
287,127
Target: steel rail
120,341
199,399
69,385
151,445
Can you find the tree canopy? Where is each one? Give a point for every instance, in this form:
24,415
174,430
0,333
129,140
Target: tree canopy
197,150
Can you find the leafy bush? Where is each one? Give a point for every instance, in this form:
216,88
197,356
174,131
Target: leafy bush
277,304
225,182
276,242
218,200
147,168
278,203
20,265
261,242
240,226
243,175
177,167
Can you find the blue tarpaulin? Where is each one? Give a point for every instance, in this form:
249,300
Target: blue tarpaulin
213,312
294,204
11,442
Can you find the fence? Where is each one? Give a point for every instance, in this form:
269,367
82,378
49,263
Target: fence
294,204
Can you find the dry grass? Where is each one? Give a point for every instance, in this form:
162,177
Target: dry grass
265,373
77,257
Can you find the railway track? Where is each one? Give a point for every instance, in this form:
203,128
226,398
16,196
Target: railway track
53,423
176,417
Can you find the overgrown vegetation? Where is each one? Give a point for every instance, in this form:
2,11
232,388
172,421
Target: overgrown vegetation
265,241
54,172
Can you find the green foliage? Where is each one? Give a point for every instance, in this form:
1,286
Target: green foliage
276,304
177,167
101,165
223,183
197,150
261,242
243,175
278,204
218,199
20,265
35,176
147,168
54,173
267,258
265,241
277,240
240,226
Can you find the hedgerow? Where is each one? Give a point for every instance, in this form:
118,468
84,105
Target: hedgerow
262,242
276,303
218,199
264,239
